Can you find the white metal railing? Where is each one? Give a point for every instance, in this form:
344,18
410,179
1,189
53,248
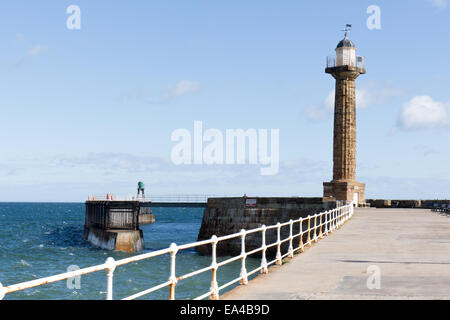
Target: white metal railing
171,198
324,223
331,61
181,197
359,62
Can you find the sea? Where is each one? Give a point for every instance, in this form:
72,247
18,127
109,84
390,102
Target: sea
44,239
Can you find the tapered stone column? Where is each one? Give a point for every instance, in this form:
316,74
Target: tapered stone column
344,185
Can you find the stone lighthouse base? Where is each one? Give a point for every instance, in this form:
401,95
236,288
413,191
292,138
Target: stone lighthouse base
347,191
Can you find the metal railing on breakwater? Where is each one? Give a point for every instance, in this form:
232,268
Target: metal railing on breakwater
166,198
324,223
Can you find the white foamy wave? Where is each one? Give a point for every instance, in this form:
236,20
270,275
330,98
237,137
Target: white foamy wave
32,293
24,263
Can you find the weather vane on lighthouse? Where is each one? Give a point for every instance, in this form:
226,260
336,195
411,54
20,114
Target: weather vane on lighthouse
347,29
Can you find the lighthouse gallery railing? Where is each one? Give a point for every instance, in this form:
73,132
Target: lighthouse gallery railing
324,223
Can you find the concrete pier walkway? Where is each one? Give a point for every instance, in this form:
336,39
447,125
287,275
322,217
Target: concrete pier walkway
410,248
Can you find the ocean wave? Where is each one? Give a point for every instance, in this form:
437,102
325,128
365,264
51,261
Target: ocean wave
24,263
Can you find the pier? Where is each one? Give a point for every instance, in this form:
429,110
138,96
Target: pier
179,200
349,253
409,248
112,222
114,225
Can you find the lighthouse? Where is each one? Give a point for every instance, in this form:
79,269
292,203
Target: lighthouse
345,67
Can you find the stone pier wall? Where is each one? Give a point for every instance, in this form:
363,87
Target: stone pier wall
114,225
224,216
146,215
118,240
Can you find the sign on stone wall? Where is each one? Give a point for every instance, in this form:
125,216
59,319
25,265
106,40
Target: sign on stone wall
250,203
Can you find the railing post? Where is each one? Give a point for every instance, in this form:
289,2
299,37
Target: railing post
278,257
214,285
339,218
320,229
330,221
326,222
291,247
338,212
333,220
315,228
336,219
2,291
264,268
244,279
308,240
110,267
300,244
173,278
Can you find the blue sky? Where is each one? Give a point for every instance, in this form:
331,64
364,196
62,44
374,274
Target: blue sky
91,111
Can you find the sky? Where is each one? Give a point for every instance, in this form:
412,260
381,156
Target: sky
92,110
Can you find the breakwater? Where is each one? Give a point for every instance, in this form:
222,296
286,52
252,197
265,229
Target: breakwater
114,225
224,216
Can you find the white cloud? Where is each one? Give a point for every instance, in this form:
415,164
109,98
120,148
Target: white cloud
20,37
426,150
31,54
440,4
322,110
181,88
34,51
423,112
365,97
135,95
117,172
328,103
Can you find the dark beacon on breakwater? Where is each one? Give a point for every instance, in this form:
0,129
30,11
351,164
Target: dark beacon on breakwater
113,224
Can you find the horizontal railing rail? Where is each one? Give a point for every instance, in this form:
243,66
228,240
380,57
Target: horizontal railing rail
175,198
318,226
359,62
